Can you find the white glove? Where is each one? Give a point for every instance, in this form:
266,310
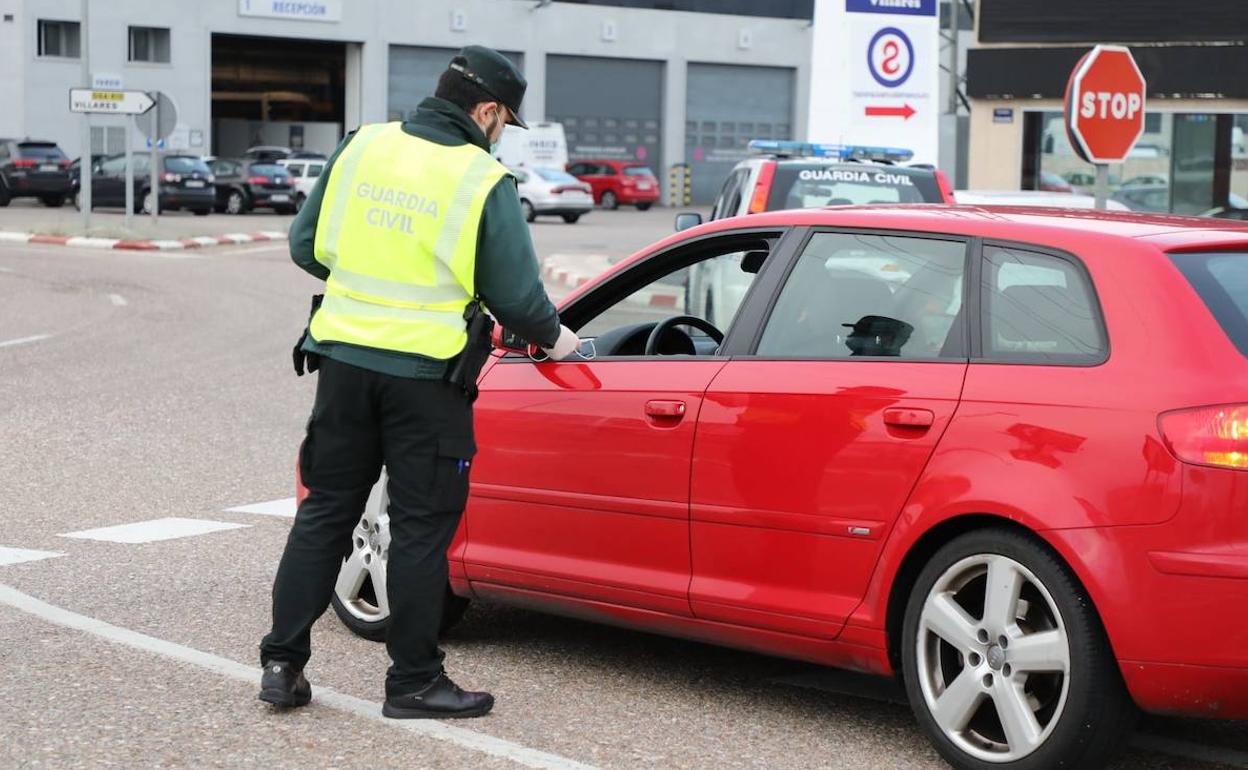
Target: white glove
567,344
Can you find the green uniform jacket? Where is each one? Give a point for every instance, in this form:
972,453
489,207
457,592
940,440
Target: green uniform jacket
507,276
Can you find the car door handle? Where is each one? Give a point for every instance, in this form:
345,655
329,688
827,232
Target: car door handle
670,409
904,417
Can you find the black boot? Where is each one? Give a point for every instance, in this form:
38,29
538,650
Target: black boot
284,685
440,699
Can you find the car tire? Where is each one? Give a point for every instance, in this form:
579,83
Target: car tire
77,199
644,206
300,199
5,197
355,598
53,201
571,218
201,212
1066,699
235,203
609,201
526,208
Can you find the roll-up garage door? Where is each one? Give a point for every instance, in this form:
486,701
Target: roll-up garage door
609,108
414,73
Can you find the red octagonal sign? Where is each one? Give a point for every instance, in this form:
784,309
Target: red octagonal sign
1105,104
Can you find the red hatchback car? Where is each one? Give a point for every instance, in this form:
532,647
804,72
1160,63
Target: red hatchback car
618,182
1002,454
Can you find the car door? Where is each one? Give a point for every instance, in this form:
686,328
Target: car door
581,484
108,187
810,439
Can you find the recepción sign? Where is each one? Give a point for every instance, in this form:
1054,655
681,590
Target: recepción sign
302,10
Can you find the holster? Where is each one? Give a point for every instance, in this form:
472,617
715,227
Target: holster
300,357
464,368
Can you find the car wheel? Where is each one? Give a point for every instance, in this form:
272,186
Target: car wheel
359,597
78,199
644,206
571,218
1006,664
145,202
201,212
299,201
526,208
4,195
53,201
235,203
609,201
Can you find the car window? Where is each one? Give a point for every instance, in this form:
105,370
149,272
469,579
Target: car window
712,288
803,186
1221,280
555,175
1038,308
577,169
266,169
314,169
185,164
852,295
724,203
295,169
638,171
40,151
114,166
4,151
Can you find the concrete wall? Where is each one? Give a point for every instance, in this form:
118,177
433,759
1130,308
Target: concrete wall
669,36
12,74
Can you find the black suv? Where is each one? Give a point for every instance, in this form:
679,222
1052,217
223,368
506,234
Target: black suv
243,185
31,168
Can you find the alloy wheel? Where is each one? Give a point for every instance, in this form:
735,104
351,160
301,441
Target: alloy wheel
993,658
234,203
361,585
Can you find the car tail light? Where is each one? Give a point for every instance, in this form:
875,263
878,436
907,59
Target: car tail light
257,180
25,163
942,183
762,188
66,163
168,177
1209,435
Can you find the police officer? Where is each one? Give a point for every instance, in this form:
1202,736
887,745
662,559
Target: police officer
409,224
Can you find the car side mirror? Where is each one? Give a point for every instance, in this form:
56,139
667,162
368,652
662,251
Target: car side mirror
510,342
687,219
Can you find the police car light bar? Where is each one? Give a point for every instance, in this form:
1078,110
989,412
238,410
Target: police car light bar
791,149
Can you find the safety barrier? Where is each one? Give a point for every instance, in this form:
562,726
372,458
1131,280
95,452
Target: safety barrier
680,185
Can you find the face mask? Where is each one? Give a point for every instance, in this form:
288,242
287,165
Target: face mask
488,133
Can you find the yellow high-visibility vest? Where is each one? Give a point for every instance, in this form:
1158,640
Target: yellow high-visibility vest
398,231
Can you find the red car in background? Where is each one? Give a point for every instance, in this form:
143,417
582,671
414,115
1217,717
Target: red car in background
999,453
618,182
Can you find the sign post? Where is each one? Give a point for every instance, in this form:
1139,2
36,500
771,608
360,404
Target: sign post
156,125
84,158
109,102
1104,110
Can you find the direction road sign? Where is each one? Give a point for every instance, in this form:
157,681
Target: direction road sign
1105,104
160,122
110,102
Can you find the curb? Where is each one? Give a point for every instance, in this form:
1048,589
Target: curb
197,242
555,270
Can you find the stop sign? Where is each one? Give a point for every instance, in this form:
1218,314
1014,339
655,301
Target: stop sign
1105,104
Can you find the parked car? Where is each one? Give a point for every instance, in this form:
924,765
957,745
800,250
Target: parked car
271,152
790,175
616,182
243,185
553,191
1148,197
989,498
33,168
1050,182
1033,198
305,172
186,182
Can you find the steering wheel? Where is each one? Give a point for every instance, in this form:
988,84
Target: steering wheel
662,327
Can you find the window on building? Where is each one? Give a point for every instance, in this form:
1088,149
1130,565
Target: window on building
149,44
59,38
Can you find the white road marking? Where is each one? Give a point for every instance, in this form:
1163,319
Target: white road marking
257,249
459,736
7,270
18,555
285,507
156,529
117,300
24,340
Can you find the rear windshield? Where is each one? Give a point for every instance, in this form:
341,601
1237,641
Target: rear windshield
185,164
806,186
1221,280
40,151
555,175
638,171
268,169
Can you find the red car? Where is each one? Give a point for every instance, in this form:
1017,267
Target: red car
1002,454
618,181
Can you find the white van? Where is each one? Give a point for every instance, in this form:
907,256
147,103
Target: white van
543,145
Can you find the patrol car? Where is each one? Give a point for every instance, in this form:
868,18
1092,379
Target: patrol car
803,175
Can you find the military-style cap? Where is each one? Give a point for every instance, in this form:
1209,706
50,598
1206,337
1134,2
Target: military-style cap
496,75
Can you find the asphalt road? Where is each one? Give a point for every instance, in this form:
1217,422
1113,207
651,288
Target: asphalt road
140,386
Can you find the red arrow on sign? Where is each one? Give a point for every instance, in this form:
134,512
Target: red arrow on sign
904,112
